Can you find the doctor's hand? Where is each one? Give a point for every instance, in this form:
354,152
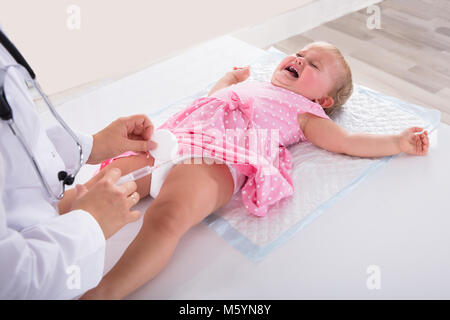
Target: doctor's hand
107,203
124,134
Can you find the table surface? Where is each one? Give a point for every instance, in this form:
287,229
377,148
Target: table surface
397,219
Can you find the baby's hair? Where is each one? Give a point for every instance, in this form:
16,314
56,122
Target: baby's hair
343,88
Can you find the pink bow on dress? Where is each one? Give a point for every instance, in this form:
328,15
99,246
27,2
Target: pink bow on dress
236,103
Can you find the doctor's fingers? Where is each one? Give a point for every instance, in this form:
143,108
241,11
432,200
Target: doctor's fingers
139,125
111,175
133,199
100,175
127,188
133,216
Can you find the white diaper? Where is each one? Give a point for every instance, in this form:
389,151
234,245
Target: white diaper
167,150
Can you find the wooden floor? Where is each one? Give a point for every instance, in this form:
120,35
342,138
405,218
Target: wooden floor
409,57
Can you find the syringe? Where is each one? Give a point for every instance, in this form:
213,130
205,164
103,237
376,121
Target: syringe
139,173
135,175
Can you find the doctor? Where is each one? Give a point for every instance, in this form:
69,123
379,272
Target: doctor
45,255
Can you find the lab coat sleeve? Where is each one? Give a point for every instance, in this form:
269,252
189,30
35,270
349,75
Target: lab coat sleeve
59,259
53,260
66,147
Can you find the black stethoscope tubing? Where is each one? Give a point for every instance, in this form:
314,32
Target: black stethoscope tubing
5,109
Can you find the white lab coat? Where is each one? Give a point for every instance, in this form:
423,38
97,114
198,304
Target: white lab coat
42,255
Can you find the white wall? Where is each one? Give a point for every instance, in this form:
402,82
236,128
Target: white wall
118,36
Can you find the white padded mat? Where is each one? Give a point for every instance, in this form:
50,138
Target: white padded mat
320,177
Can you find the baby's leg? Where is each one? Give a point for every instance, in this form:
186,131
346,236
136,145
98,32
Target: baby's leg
189,194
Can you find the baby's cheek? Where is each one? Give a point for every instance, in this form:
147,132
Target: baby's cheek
307,88
314,85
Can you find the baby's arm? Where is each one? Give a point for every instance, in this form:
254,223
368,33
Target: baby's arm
329,136
230,78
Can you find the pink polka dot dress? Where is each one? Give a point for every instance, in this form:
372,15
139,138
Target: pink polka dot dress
249,126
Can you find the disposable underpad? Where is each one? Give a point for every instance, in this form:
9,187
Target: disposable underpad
320,177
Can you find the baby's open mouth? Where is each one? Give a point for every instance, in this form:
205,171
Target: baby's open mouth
292,71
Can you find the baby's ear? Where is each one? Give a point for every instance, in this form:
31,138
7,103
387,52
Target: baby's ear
325,102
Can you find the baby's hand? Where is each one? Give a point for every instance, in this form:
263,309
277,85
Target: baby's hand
412,143
239,74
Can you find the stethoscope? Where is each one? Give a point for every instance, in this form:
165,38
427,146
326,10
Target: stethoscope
6,114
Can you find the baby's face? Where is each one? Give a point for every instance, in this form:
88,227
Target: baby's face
311,72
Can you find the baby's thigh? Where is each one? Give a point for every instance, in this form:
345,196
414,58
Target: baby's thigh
198,188
131,163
